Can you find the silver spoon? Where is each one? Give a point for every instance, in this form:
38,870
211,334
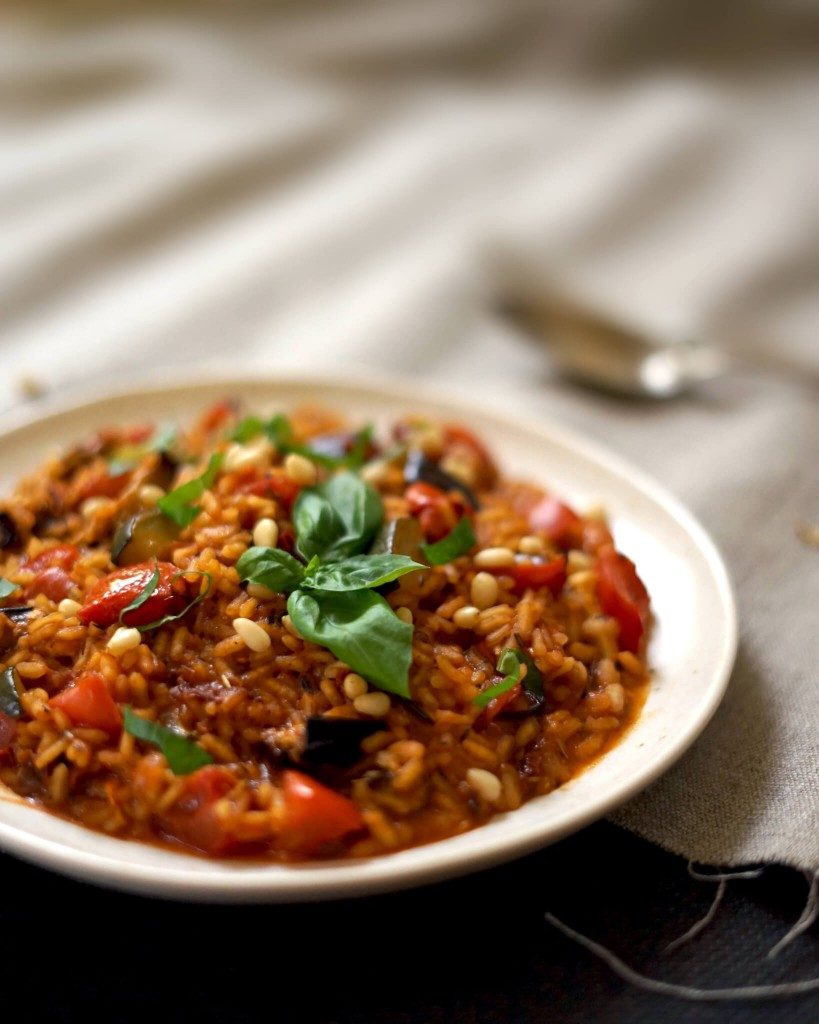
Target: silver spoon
600,352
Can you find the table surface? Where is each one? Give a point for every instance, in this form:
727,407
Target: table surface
470,950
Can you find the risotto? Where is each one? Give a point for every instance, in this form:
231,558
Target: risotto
287,638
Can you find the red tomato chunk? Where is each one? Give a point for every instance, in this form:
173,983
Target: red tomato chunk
112,595
623,595
561,524
88,703
314,815
436,511
193,819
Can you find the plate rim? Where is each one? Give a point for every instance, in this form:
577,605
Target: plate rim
345,879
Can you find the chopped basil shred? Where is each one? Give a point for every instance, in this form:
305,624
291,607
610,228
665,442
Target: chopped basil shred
10,693
509,663
182,753
247,429
7,587
128,455
533,682
143,596
457,542
177,504
279,430
151,586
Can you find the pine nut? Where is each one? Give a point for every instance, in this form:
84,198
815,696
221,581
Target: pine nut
149,494
260,592
374,473
266,533
252,634
354,685
91,506
126,638
485,784
466,617
376,704
404,614
67,607
242,456
484,590
617,697
300,469
287,622
531,545
576,561
462,469
494,558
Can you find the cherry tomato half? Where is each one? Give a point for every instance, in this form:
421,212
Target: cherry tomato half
112,595
436,511
623,595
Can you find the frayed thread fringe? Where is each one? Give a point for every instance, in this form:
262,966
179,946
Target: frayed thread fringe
704,995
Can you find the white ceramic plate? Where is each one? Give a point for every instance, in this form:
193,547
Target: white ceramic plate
691,653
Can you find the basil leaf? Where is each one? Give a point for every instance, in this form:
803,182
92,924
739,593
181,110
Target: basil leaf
534,680
247,429
143,596
359,572
336,519
279,431
353,459
457,542
357,455
360,629
7,587
273,568
508,663
182,754
10,693
127,456
177,504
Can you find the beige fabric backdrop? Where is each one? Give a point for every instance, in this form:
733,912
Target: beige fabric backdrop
315,185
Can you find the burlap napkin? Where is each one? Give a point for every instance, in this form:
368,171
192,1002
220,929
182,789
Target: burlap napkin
321,185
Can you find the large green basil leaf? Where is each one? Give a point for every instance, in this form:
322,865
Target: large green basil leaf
359,572
336,519
361,629
273,568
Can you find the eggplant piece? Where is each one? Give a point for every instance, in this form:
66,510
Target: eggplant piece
17,612
164,473
8,531
10,687
402,536
537,705
419,468
333,446
143,536
336,741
